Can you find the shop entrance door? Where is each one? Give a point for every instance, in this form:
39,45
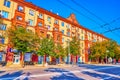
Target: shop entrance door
16,59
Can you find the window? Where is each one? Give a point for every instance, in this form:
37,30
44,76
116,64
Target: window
62,39
62,23
19,18
68,33
40,24
48,27
5,14
68,26
49,19
78,36
56,21
82,31
31,12
94,40
77,29
41,16
3,26
56,29
2,40
7,3
82,38
82,44
30,22
82,51
20,8
62,31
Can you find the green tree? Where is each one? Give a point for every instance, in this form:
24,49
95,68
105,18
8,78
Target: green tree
60,51
95,51
46,47
74,46
111,47
21,39
104,49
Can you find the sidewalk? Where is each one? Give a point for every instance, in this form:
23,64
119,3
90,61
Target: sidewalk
28,67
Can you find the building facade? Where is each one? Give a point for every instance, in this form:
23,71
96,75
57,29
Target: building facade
45,23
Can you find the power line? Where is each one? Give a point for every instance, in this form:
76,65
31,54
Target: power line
113,21
111,30
78,12
85,15
107,24
87,10
96,17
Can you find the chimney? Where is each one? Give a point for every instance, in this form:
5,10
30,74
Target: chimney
57,13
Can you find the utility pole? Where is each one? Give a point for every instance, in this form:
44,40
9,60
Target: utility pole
68,50
107,51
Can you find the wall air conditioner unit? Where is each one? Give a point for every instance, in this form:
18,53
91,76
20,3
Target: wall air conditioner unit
57,13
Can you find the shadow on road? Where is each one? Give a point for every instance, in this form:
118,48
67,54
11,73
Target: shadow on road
95,74
100,76
11,75
55,70
88,66
2,71
27,78
65,75
114,70
104,69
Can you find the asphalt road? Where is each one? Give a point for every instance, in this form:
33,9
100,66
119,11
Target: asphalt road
80,72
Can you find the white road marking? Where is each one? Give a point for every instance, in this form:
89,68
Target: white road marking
111,76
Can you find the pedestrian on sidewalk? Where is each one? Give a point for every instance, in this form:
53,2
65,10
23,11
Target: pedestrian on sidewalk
114,61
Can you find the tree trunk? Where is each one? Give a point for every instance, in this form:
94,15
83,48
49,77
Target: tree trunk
22,60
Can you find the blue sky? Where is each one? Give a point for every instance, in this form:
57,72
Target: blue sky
96,15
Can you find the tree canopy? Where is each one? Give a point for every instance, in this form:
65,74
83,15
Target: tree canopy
46,47
60,51
73,46
104,49
21,39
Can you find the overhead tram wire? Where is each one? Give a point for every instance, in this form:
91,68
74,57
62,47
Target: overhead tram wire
78,12
106,24
113,21
84,15
112,30
86,9
95,16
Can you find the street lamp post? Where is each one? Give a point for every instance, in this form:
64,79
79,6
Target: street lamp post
68,51
106,55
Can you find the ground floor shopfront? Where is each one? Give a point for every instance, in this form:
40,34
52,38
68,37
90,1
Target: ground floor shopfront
29,58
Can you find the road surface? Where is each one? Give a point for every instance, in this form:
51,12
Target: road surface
76,72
